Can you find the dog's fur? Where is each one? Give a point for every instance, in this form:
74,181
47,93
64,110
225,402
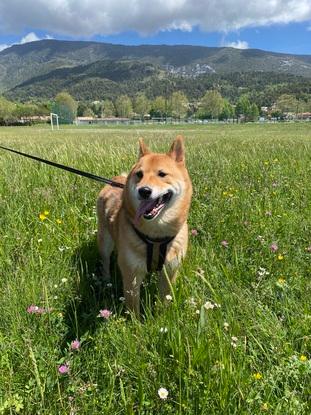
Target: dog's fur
119,209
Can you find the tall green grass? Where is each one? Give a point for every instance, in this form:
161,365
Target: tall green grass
235,339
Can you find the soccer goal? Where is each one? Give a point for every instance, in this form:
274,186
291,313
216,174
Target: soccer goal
54,116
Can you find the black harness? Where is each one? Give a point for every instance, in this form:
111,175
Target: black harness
150,242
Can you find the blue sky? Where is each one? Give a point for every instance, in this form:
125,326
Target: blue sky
290,38
278,25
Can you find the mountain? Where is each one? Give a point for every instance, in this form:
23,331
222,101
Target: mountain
38,69
108,78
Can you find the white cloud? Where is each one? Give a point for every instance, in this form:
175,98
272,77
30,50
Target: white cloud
240,44
90,17
31,37
183,26
3,46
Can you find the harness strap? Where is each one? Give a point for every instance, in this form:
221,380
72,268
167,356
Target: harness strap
150,242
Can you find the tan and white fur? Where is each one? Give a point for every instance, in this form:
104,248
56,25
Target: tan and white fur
156,179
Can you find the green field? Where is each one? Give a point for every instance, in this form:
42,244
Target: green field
236,337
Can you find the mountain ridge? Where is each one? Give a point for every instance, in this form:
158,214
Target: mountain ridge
27,69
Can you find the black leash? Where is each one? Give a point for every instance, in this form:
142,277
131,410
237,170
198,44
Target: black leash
163,242
67,168
150,242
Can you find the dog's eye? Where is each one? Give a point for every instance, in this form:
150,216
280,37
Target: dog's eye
162,173
139,174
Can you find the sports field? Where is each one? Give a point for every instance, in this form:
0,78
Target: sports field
235,339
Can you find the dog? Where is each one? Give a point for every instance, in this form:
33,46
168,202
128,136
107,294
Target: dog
146,221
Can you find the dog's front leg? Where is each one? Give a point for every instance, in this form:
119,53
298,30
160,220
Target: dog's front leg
105,246
132,280
167,278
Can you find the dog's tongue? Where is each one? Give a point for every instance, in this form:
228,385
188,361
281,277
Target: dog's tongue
144,206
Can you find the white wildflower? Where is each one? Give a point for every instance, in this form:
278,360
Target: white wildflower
262,272
163,393
208,305
234,341
226,326
192,302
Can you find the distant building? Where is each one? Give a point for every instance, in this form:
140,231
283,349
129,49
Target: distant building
304,115
103,121
35,118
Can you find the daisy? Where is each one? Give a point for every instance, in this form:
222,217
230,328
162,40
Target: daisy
163,393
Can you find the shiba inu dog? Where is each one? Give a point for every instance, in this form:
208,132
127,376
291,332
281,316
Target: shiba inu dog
147,220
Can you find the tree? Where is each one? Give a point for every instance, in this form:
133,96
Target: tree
243,106
253,112
211,105
179,104
158,107
123,106
82,107
88,112
141,105
108,108
287,103
227,111
6,110
26,110
97,108
66,107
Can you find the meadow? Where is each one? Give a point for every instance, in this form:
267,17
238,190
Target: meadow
235,339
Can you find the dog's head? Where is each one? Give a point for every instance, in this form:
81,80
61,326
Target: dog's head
158,187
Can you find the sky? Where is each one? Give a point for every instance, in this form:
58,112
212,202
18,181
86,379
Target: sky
273,25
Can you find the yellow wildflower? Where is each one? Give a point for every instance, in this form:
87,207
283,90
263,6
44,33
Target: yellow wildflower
257,376
303,358
280,257
42,216
46,212
59,221
281,280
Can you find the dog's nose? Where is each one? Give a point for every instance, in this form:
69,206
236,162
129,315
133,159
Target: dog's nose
144,192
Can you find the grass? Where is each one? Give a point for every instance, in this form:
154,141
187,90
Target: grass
250,354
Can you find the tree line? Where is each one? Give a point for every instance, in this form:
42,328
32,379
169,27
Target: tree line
176,105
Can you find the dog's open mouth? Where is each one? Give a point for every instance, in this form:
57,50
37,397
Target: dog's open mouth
151,208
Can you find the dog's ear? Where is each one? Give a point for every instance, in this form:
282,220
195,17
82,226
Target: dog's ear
143,149
177,150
